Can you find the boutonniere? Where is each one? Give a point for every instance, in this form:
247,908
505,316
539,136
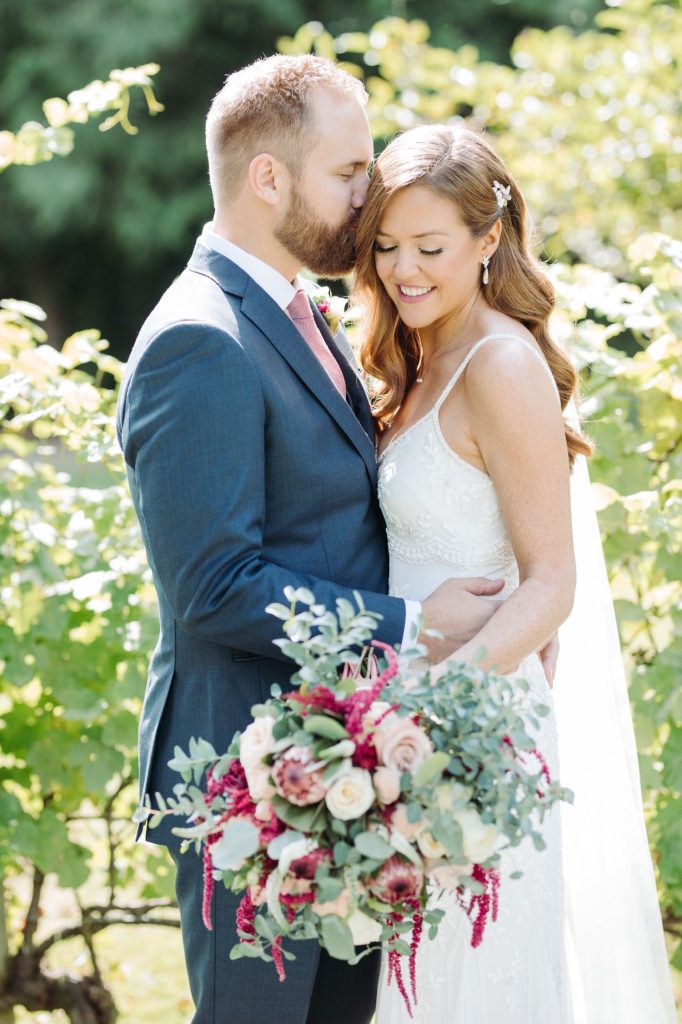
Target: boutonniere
334,308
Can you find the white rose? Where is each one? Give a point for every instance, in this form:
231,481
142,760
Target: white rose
351,794
451,794
374,712
256,741
263,810
480,841
363,928
258,781
430,847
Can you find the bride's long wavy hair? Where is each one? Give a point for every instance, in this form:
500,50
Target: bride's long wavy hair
460,165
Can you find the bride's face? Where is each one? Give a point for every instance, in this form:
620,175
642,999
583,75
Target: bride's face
426,257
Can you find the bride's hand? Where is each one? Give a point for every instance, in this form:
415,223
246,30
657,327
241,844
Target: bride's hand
458,609
549,656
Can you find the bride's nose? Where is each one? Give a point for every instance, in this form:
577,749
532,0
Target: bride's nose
406,265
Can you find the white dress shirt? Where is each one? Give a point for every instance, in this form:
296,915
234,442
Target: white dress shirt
283,291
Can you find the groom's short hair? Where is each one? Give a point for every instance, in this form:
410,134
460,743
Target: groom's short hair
265,108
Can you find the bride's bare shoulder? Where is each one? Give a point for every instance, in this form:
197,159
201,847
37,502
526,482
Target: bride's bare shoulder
508,355
509,378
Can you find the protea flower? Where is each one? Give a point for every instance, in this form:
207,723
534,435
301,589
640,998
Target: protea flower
295,781
397,880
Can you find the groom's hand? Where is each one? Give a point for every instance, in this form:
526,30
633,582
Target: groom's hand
458,609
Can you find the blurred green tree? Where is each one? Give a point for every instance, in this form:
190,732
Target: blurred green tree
78,620
112,227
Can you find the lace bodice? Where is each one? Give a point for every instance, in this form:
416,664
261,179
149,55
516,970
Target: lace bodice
442,514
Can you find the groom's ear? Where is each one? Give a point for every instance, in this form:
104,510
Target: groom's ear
268,178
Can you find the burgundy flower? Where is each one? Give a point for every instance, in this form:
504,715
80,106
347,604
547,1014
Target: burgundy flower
365,755
397,880
293,779
306,866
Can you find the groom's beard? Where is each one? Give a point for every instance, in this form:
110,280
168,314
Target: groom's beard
327,250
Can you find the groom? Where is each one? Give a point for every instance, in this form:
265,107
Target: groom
249,446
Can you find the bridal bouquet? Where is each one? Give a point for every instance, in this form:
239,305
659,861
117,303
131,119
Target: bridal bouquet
351,799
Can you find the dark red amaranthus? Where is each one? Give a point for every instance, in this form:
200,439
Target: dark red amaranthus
479,906
395,960
233,786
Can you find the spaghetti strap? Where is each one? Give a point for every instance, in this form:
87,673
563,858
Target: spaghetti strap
474,349
435,408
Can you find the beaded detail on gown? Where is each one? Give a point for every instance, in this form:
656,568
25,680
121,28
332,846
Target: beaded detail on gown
443,519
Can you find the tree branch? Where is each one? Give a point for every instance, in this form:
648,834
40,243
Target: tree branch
96,919
33,913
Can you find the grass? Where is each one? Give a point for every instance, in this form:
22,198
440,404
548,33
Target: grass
144,969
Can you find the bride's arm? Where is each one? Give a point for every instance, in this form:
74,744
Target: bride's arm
516,423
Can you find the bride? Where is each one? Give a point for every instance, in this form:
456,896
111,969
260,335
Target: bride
475,462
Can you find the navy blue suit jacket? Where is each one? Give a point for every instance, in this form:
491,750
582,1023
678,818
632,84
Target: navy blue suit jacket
248,472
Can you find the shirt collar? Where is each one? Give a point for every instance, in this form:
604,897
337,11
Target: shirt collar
269,279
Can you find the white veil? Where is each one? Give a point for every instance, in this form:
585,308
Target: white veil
617,959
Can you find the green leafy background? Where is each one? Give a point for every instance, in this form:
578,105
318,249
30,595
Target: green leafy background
590,124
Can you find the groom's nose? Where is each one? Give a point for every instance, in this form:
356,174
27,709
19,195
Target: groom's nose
360,191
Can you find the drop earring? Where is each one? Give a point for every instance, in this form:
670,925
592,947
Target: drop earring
486,261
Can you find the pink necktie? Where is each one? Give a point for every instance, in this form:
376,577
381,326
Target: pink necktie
302,315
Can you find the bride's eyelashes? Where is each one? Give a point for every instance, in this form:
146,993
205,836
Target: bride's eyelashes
392,248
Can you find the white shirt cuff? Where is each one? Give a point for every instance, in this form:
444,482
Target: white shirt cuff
413,610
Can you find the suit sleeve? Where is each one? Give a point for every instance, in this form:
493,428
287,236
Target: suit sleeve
192,429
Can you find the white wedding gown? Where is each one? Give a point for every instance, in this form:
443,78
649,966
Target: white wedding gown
443,520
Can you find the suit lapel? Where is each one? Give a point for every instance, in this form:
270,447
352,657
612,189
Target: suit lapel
356,392
281,333
279,330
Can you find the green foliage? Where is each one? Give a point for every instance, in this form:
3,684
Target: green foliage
78,619
78,613
589,123
633,405
36,143
111,226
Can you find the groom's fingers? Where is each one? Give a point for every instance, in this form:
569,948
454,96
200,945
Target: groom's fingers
482,587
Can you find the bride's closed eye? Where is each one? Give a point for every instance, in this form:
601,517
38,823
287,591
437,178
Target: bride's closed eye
391,248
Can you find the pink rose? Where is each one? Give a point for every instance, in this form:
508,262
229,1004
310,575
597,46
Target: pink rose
295,886
446,876
400,823
397,880
401,744
340,906
294,780
258,895
387,785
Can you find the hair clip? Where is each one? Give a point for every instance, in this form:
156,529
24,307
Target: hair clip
502,194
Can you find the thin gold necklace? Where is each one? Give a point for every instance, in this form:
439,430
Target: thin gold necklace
450,348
